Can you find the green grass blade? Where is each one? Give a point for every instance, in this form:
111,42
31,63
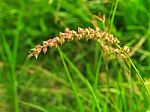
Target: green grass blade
113,15
96,80
71,81
85,81
139,75
34,106
12,75
97,71
6,47
94,95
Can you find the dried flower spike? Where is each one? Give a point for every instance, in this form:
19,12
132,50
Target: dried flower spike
107,41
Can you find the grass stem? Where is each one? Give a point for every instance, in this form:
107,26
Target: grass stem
113,15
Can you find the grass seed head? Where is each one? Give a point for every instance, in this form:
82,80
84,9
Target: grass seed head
108,42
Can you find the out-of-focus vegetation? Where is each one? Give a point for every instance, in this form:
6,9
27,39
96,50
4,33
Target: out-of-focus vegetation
29,85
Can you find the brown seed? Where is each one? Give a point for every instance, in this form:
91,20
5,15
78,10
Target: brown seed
44,50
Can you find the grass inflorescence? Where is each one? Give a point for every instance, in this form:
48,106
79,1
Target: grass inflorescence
108,42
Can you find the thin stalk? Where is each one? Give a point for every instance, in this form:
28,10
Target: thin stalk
97,72
34,106
113,15
108,82
71,81
94,95
139,75
12,77
96,80
85,81
19,27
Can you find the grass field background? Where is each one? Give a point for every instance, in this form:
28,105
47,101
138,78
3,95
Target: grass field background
74,77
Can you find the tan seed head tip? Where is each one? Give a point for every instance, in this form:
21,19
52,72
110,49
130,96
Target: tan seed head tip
30,55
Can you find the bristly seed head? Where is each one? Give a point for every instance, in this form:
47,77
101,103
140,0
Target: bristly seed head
107,41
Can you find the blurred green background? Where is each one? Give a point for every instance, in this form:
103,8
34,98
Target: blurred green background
29,85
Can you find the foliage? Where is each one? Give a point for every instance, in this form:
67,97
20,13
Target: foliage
76,76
